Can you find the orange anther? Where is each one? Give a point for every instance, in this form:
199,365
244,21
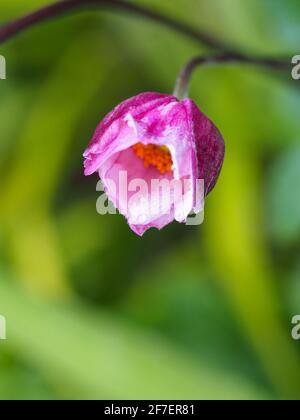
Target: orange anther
157,156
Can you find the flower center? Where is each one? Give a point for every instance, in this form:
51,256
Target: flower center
157,156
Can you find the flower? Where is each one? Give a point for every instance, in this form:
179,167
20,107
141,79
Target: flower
150,137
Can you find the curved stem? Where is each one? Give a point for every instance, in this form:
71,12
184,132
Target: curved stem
62,7
183,82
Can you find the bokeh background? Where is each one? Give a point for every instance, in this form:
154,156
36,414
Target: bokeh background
193,313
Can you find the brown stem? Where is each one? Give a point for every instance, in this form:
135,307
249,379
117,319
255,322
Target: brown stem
62,7
183,81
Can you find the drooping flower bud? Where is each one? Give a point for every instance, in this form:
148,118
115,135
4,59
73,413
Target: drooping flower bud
155,137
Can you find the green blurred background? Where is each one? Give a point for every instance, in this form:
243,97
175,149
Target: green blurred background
187,313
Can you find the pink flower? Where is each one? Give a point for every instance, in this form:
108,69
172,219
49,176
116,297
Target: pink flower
155,137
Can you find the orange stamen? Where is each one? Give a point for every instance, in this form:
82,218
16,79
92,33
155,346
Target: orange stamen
157,156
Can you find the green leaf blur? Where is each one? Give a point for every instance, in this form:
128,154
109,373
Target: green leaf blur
94,312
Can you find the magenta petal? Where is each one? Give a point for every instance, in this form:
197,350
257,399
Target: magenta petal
124,169
137,107
159,224
209,144
195,144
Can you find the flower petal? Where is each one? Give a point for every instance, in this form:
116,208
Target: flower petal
209,144
196,147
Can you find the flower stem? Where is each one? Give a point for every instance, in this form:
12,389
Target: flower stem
62,7
181,90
